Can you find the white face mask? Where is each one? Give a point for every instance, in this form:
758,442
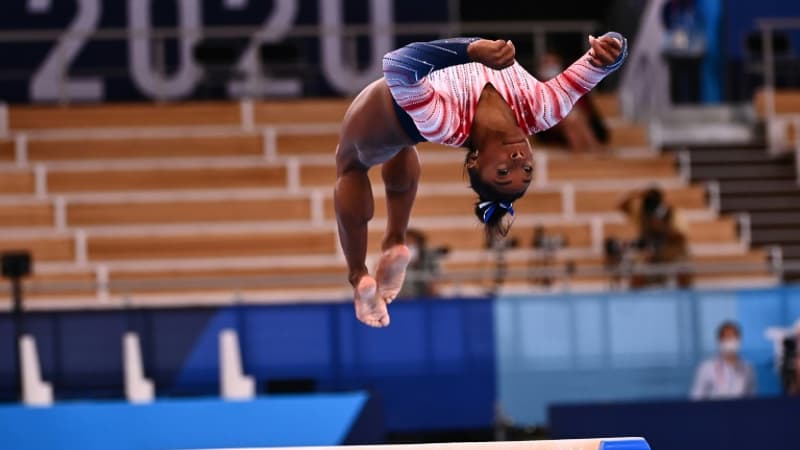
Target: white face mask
413,252
729,346
550,71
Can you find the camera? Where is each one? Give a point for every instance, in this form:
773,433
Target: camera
616,249
547,242
788,368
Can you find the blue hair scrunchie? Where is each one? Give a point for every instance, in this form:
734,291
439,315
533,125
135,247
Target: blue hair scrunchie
488,208
623,55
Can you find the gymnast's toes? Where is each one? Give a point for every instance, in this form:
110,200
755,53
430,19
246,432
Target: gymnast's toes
370,309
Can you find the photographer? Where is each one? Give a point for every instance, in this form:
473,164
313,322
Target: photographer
661,235
423,267
545,247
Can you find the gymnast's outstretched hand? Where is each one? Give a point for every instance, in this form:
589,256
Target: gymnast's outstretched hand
496,55
605,50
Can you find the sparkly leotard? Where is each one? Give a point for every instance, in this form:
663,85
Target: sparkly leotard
436,89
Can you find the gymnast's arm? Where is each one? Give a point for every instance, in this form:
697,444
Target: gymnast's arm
551,101
410,65
406,72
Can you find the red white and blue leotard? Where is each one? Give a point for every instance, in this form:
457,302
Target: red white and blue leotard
436,85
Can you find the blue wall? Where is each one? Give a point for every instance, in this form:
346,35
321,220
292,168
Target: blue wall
432,355
440,365
626,346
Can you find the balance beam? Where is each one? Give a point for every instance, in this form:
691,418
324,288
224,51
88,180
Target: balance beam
567,444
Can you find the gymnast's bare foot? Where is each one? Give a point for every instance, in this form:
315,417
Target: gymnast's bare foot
392,271
370,309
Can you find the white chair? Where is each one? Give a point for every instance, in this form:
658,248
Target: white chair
234,384
35,391
138,389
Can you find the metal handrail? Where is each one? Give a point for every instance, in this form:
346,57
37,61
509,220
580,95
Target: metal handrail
301,31
158,36
558,271
768,26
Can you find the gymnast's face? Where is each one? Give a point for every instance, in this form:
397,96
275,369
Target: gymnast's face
506,166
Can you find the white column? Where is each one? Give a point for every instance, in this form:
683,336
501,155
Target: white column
138,389
247,111
35,391
269,143
234,384
293,174
21,149
40,180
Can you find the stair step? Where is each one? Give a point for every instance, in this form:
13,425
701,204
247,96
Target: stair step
726,157
784,235
735,187
791,252
775,219
762,203
743,172
756,146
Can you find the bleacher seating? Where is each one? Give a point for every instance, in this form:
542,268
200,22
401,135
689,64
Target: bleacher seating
204,199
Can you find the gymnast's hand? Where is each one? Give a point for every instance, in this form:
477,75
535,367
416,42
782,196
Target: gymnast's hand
605,50
496,55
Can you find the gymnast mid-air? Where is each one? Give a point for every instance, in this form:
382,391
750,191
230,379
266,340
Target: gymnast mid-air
464,92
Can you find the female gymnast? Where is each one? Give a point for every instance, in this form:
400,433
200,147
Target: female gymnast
463,92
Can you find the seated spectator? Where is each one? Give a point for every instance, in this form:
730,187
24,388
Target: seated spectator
423,268
725,376
583,128
661,235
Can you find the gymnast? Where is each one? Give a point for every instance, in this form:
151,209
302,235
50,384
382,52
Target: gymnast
461,92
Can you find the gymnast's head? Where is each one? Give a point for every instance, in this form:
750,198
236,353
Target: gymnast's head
499,173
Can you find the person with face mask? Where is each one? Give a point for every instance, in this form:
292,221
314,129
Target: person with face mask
725,376
423,266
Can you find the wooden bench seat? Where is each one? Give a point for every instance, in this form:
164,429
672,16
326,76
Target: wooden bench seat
166,212
787,101
98,180
257,278
627,135
49,248
7,151
16,182
34,214
78,285
595,168
144,147
209,245
307,144
293,112
124,115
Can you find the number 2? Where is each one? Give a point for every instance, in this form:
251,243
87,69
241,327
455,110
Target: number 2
51,81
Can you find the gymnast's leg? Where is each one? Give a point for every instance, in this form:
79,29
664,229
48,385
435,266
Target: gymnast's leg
400,177
354,209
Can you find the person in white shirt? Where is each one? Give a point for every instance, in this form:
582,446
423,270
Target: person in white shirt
725,376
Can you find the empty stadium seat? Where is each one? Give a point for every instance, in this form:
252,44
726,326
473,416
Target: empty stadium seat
171,198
